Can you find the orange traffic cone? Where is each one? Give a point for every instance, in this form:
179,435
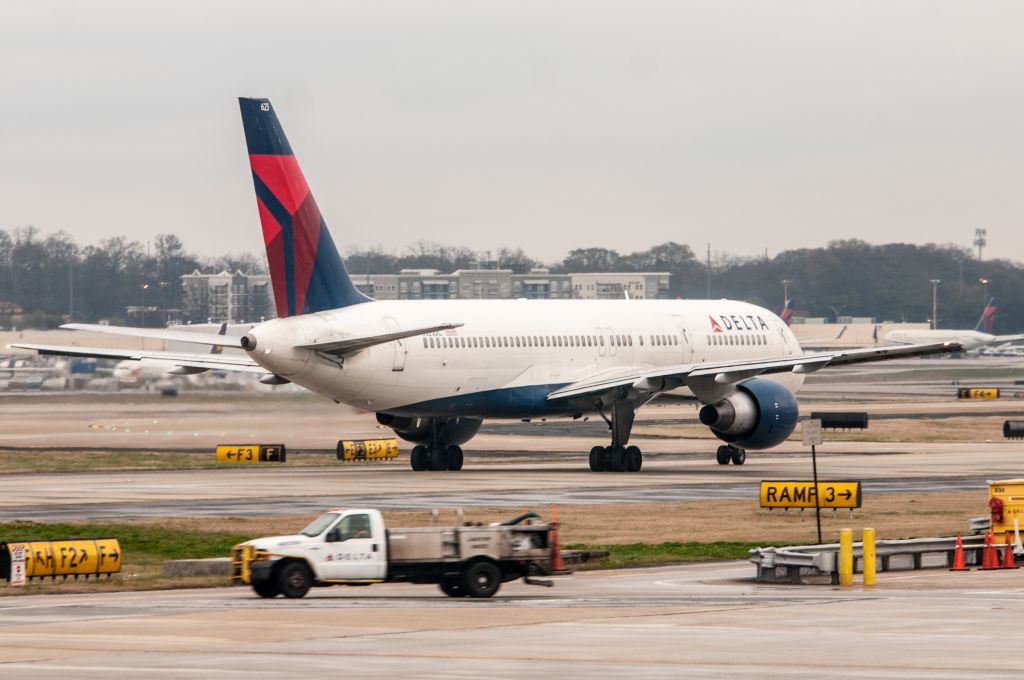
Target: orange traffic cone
1008,554
556,549
958,556
990,556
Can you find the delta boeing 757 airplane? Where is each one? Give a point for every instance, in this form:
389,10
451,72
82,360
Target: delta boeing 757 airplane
433,370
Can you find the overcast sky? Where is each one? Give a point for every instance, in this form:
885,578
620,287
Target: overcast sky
544,125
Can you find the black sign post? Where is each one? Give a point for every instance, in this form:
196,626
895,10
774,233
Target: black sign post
811,431
817,501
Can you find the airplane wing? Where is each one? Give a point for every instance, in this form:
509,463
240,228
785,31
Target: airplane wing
200,362
212,339
349,345
1008,338
725,372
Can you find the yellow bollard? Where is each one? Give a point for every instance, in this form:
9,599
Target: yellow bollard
869,557
846,557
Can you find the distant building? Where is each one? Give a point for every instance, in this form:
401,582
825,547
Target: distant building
233,297
10,313
465,284
615,285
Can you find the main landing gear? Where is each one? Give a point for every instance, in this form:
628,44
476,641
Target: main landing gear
618,457
436,457
730,453
437,454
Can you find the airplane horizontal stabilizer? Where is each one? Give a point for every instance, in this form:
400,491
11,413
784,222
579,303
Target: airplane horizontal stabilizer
216,362
160,334
336,345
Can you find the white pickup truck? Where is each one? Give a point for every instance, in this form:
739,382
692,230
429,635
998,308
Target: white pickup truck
353,547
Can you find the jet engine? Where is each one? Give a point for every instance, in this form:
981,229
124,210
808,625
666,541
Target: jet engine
451,431
759,415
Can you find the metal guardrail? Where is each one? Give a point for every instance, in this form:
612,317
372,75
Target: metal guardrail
795,564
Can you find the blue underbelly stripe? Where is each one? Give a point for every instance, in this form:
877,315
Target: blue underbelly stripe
503,402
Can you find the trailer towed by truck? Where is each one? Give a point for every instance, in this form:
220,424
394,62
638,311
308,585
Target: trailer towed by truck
353,547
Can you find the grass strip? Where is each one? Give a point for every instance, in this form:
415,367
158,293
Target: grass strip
641,554
139,542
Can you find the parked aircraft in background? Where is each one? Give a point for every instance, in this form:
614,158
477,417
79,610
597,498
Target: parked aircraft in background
146,370
980,336
433,370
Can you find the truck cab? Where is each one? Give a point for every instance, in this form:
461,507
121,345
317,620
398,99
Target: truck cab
339,546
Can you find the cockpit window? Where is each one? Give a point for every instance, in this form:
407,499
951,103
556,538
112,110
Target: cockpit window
320,524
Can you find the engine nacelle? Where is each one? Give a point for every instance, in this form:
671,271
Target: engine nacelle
455,431
760,415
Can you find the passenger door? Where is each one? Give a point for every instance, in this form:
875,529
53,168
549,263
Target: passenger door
684,339
398,364
354,550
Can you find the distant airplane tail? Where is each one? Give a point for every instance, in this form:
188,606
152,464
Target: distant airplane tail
987,322
305,268
787,312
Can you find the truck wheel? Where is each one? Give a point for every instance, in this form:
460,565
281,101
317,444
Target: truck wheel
266,589
452,587
294,580
481,579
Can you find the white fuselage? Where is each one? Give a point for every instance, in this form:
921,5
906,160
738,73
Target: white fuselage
509,354
968,339
143,371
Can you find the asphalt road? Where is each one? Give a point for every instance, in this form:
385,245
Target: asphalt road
708,620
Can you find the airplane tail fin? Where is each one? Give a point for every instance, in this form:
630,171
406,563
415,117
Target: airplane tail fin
987,322
306,270
787,311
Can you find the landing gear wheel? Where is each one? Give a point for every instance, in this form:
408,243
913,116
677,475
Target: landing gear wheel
452,587
294,580
266,589
454,457
597,459
634,459
723,455
418,458
618,459
481,579
739,456
438,458
606,459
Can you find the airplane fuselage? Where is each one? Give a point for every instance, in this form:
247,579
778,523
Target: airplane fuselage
510,354
969,339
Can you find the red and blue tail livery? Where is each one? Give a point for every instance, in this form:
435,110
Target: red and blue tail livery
787,312
987,322
305,268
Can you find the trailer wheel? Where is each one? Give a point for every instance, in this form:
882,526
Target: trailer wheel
481,579
452,587
266,589
294,580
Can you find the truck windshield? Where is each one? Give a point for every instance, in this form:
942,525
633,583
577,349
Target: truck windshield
317,526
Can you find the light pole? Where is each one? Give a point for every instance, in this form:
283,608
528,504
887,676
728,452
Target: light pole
143,309
984,290
935,288
785,292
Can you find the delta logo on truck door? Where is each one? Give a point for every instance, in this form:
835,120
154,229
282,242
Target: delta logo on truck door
732,322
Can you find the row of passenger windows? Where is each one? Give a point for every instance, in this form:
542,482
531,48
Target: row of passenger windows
452,342
737,339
